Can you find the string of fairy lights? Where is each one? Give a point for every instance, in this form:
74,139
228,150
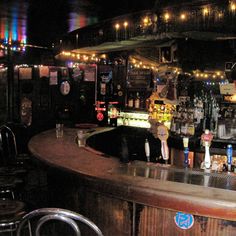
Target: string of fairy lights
214,11
82,57
208,11
211,78
17,46
12,47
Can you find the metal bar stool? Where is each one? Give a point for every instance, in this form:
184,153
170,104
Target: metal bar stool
12,174
8,186
9,150
11,212
44,215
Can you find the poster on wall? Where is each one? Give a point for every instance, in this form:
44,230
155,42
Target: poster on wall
25,73
53,78
43,71
90,73
139,78
2,53
64,73
26,111
77,74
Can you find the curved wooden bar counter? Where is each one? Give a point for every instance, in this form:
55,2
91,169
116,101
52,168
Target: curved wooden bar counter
127,199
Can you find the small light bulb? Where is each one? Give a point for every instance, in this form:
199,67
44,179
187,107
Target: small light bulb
117,26
125,24
167,16
183,16
233,6
205,11
145,20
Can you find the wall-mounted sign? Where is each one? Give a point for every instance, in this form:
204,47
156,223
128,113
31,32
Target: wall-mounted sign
65,87
100,116
227,89
139,78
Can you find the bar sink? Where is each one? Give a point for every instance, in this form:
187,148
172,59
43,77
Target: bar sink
126,143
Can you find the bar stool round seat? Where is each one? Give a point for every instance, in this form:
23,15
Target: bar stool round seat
41,217
11,212
14,171
8,185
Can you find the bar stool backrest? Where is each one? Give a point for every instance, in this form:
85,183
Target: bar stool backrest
8,145
43,215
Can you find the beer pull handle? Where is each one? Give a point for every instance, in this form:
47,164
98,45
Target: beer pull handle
147,150
165,150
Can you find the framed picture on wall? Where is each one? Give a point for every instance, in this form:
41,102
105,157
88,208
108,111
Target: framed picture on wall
90,73
53,78
43,71
25,73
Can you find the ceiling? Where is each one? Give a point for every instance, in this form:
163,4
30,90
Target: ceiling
41,22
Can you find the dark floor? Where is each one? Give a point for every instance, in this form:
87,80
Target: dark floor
33,191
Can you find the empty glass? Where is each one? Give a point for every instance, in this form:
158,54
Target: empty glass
59,130
81,138
221,130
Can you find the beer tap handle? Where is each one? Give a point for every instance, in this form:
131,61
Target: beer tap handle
147,150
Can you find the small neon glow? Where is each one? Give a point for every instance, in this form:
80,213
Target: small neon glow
13,23
79,20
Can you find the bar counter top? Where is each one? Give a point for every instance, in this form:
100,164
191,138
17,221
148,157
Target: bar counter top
135,181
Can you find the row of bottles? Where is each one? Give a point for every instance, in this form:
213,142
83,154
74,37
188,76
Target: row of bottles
227,111
137,100
195,116
183,119
161,113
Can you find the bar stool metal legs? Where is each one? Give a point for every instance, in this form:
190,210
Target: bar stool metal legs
44,215
11,212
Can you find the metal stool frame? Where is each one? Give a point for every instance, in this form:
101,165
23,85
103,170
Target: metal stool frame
9,221
47,214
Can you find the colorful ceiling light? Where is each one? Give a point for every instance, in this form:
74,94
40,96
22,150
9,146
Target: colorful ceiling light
13,23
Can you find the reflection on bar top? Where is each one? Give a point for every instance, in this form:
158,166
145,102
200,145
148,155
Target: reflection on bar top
206,178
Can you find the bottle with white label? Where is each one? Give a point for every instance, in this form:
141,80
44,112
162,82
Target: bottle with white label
131,101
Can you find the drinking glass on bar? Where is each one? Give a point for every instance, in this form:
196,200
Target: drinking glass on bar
59,130
81,138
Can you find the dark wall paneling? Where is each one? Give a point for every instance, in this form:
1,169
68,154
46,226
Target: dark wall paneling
3,101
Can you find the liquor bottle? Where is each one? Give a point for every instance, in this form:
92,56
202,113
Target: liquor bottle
130,100
142,101
137,101
147,104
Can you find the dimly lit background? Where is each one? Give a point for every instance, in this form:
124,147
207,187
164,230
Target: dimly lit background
41,22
